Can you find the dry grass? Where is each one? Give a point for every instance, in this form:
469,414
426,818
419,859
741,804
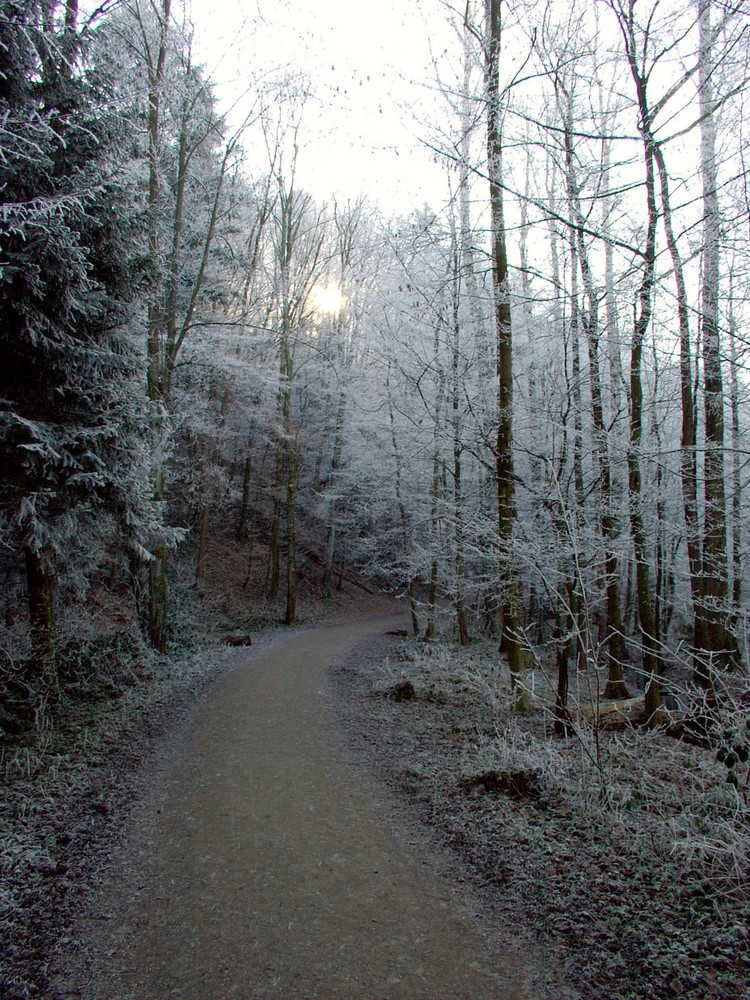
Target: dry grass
626,852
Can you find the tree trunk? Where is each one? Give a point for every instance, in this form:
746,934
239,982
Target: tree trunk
202,544
275,542
254,514
165,335
291,535
615,687
247,478
462,624
214,459
561,714
157,572
736,471
338,444
158,598
715,568
508,589
40,584
642,319
650,640
405,539
688,455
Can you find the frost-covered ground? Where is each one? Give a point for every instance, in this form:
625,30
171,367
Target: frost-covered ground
66,794
624,853
67,789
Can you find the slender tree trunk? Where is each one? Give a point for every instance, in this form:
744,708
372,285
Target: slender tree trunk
458,513
661,568
467,235
247,478
157,570
157,577
615,687
436,487
292,464
561,714
291,534
432,593
509,596
566,611
688,455
213,461
565,603
275,542
70,43
40,584
715,567
292,473
736,471
579,598
642,320
649,638
617,381
338,444
202,544
165,335
405,537
254,514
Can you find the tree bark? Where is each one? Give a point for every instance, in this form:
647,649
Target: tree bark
688,455
462,624
715,567
615,687
736,470
40,584
157,571
338,443
405,538
275,543
642,319
509,597
247,479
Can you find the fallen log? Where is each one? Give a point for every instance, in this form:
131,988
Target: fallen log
628,708
236,640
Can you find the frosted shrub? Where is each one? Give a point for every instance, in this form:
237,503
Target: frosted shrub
514,749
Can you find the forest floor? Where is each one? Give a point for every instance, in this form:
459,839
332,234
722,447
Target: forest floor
612,856
622,853
68,787
262,863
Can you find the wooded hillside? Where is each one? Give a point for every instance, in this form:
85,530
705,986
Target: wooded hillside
522,406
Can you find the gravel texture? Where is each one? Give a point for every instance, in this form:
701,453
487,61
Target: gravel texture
260,863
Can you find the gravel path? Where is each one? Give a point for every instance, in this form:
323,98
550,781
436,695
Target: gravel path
265,867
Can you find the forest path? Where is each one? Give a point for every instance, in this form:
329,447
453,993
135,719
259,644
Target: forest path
274,875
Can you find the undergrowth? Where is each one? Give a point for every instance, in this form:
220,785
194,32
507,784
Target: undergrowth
65,780
628,845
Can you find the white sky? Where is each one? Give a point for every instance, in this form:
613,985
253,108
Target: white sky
369,66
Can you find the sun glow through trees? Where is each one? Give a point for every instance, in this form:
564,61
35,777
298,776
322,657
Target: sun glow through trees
328,300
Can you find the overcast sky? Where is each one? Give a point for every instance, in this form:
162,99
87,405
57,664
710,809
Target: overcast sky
369,66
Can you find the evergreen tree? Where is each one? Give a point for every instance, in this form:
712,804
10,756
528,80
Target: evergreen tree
65,261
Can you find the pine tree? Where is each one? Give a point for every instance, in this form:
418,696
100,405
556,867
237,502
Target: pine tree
65,408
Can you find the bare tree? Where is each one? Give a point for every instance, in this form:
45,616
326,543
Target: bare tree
509,595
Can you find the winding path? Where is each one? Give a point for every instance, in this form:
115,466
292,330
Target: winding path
273,876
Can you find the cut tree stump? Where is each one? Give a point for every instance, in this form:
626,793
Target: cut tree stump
403,691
